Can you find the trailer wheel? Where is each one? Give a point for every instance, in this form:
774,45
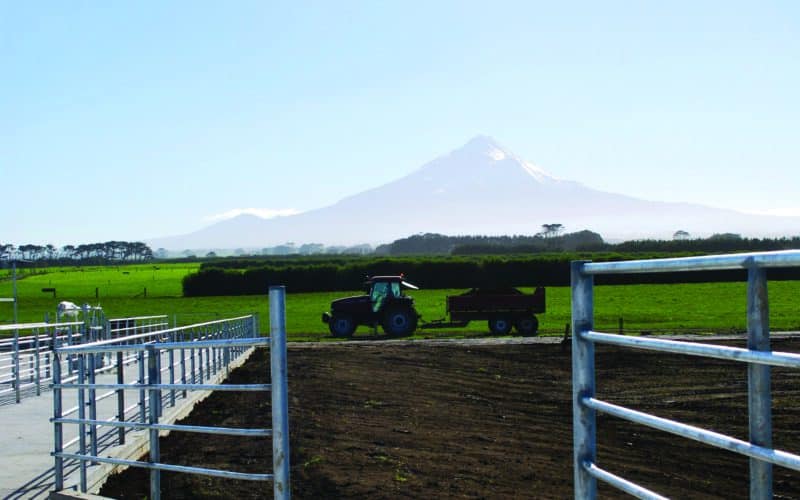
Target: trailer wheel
527,326
499,325
399,320
341,325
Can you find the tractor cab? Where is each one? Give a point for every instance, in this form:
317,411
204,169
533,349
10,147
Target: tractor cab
383,304
383,289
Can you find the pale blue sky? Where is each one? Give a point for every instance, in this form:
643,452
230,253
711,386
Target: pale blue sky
130,120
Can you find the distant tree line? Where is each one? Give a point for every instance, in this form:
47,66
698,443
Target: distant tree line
110,251
547,241
582,241
432,272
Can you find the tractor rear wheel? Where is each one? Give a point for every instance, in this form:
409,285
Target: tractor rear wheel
399,320
499,325
527,326
341,325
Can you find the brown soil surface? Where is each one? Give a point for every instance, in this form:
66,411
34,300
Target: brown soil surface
475,421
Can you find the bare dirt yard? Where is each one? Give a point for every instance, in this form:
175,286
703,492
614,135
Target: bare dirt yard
387,420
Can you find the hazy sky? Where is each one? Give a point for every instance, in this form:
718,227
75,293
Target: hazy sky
130,120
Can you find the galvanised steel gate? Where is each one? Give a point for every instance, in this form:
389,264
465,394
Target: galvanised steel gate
758,356
192,355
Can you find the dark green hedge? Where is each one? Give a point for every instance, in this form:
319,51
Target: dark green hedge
432,273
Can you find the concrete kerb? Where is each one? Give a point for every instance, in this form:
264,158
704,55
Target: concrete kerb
138,441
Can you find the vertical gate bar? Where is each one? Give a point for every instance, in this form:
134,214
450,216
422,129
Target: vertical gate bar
120,396
584,425
58,429
82,418
70,357
38,366
153,376
17,377
209,354
140,361
183,362
191,359
160,402
214,350
93,405
226,351
280,396
758,381
171,360
200,364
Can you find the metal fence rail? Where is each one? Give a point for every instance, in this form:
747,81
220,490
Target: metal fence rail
26,356
171,363
758,357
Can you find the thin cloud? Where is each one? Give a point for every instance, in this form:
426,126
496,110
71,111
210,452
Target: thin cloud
785,211
264,213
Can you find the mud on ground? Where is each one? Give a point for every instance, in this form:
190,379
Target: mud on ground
465,421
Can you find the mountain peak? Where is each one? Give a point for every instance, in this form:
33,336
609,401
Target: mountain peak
484,145
484,151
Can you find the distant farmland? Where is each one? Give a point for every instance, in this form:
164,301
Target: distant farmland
673,308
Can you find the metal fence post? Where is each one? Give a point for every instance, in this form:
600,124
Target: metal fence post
183,362
192,367
209,353
584,426
280,396
140,361
171,360
82,418
120,396
17,377
92,404
155,396
37,375
58,428
758,381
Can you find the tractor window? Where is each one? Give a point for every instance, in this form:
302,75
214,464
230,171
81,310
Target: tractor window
396,289
378,296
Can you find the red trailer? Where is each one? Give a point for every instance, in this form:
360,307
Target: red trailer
503,308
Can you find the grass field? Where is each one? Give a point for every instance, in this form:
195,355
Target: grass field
706,307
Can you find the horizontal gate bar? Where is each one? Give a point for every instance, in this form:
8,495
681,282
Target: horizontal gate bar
776,457
30,326
621,483
116,345
786,258
227,431
169,467
786,359
177,387
137,318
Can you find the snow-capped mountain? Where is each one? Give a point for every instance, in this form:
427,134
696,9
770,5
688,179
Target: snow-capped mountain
480,188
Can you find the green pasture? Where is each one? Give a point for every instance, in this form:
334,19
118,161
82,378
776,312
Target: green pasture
705,307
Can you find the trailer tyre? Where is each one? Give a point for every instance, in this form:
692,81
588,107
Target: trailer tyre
499,326
399,320
341,325
527,326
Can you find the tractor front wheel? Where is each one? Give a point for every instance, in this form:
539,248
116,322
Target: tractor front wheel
399,321
341,325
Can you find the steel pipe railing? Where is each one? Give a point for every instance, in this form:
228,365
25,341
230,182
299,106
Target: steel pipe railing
210,348
758,357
